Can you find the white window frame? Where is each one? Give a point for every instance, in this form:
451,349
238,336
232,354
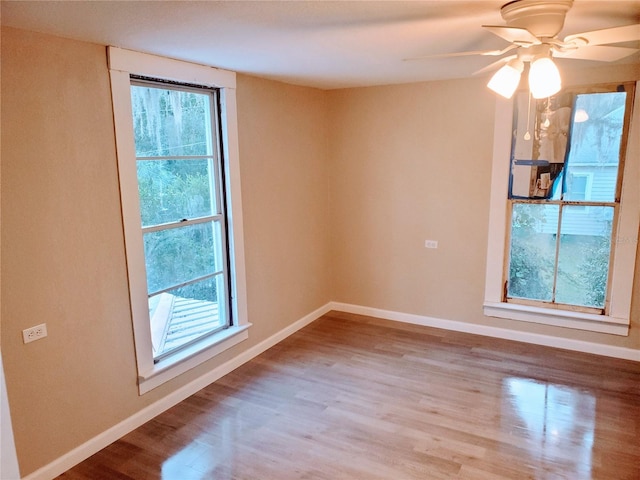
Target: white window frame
617,318
122,64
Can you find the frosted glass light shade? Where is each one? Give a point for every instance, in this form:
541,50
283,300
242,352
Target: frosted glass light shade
544,78
581,115
505,81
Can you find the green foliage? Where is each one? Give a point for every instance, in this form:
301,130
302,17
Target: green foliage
171,190
178,255
530,272
594,270
583,268
172,123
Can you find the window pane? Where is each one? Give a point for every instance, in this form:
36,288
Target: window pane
179,255
539,146
170,122
583,259
532,252
577,187
184,314
595,146
171,190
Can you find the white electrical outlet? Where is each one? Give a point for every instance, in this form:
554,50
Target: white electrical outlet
430,244
34,333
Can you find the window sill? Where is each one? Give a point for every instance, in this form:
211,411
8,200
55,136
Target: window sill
558,318
192,356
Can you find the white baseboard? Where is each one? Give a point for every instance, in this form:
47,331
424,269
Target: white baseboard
533,338
97,443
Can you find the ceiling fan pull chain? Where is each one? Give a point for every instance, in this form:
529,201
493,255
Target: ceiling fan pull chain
527,135
547,114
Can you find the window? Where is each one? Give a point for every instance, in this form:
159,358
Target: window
182,212
179,181
579,185
565,208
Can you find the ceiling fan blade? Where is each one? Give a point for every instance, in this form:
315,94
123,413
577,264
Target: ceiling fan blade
455,54
491,53
626,33
495,65
513,34
597,53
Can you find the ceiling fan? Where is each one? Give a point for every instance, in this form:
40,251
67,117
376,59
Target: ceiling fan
532,27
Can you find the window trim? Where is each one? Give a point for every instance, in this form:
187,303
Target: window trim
626,238
122,64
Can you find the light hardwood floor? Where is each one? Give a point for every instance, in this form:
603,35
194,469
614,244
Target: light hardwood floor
352,397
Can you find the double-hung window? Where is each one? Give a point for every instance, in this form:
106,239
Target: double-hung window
182,213
179,181
569,197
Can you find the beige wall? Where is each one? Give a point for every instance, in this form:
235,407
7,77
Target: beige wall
62,254
283,137
413,162
63,257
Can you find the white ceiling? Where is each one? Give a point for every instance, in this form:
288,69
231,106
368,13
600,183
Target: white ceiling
324,44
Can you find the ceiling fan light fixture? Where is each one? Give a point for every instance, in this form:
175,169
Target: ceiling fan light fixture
544,78
505,81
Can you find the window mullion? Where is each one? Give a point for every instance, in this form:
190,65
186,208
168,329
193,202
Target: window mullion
555,261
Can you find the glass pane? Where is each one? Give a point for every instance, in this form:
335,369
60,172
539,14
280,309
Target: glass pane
539,146
185,314
583,260
592,169
577,187
182,254
171,190
532,251
170,122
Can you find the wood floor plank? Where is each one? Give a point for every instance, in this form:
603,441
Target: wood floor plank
353,397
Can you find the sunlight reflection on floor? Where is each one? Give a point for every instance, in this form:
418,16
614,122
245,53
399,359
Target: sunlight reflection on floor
556,422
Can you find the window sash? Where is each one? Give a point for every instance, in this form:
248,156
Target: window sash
219,252
216,173
558,232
